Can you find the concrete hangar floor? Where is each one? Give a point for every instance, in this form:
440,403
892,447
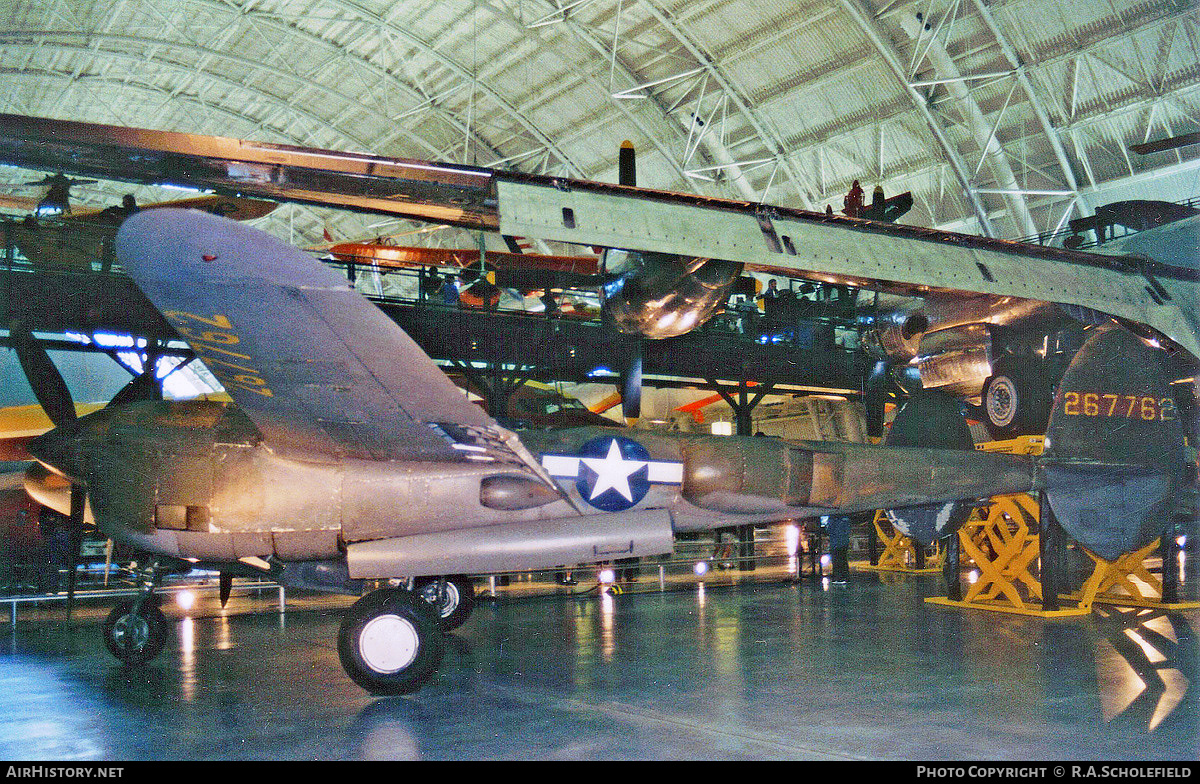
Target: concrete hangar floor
743,667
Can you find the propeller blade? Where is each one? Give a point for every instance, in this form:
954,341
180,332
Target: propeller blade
47,383
627,164
143,387
631,385
875,397
631,375
75,521
225,588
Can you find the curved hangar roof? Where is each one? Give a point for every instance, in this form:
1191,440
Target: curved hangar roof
1005,117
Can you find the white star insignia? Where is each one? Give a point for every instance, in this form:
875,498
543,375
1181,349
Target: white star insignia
613,472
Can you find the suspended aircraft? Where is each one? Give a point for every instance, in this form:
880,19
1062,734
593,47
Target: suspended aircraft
75,238
349,456
672,248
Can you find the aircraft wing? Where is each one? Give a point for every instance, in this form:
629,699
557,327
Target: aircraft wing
336,377
869,254
25,204
400,256
905,259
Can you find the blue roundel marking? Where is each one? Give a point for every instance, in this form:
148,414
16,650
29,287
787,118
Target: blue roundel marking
613,473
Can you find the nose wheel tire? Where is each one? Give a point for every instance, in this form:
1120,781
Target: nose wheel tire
390,642
455,604
135,638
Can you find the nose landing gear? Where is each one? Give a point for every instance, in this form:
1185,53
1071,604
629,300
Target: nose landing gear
136,629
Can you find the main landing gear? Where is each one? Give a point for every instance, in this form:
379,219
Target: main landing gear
391,640
453,596
136,629
1016,399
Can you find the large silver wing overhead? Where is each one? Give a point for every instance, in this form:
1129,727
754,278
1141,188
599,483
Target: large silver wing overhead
905,259
444,193
318,368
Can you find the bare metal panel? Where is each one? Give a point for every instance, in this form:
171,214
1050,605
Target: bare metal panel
537,544
384,500
444,193
901,258
957,358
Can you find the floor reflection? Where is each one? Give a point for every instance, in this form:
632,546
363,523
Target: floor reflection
792,671
1156,657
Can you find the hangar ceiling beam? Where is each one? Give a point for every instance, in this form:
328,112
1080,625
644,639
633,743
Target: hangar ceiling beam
716,150
862,17
462,73
772,143
22,38
1031,95
985,135
616,66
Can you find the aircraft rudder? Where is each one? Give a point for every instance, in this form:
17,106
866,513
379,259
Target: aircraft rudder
1114,456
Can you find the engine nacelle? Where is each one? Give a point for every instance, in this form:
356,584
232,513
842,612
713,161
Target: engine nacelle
663,295
958,359
953,341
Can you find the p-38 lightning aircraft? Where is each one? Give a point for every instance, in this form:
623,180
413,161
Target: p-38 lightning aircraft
349,456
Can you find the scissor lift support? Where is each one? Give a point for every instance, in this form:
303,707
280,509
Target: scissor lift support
1006,540
900,553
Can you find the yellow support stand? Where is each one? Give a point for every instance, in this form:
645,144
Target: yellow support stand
1127,582
1021,445
997,538
899,551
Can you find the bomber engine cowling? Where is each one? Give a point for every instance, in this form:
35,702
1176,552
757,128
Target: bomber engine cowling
952,342
663,295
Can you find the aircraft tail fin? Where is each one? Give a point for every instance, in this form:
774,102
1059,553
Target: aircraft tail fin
1114,455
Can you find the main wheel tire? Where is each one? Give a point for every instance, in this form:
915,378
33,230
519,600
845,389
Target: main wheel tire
135,639
390,642
1015,400
456,604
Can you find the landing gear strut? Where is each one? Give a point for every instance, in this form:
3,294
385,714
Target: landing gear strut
453,597
390,642
136,629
